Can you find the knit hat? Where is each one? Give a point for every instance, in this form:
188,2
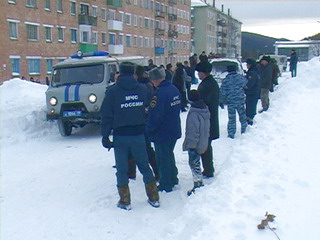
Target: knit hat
205,67
194,95
157,73
127,68
231,68
251,61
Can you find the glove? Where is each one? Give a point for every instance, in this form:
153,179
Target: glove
193,151
221,105
107,143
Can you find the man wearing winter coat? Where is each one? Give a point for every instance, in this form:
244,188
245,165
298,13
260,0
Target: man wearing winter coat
197,135
209,93
252,90
164,127
232,94
265,72
123,111
293,63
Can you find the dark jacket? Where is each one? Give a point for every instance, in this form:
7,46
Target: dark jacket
293,60
253,85
209,92
203,58
123,108
265,73
163,122
169,75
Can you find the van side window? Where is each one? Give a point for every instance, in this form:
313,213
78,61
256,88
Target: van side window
112,73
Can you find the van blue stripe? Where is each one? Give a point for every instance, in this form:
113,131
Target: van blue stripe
66,93
76,92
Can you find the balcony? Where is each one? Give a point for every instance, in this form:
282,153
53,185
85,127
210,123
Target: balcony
172,51
173,2
221,22
160,14
172,17
87,20
114,3
159,50
159,32
172,34
115,25
115,49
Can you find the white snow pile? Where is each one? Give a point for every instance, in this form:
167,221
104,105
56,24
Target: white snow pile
55,187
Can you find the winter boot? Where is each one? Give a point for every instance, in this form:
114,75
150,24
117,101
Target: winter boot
124,193
197,184
152,193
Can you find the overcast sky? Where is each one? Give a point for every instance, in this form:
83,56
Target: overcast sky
293,20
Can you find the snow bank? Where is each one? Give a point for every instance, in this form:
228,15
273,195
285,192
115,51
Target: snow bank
23,107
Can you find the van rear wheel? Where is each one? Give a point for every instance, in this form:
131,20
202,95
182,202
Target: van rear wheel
65,127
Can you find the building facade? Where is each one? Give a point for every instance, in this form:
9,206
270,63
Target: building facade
36,34
305,49
214,31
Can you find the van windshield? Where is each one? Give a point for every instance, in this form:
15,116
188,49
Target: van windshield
88,74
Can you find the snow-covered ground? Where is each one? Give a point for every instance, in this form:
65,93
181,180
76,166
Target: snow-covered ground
55,187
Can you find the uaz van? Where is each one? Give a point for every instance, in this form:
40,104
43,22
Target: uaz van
77,88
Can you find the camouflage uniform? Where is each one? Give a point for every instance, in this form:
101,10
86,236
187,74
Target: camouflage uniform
232,94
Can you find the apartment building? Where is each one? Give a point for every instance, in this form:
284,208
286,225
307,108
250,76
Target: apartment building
36,34
213,30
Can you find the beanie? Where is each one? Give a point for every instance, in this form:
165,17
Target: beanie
194,95
127,68
157,73
205,67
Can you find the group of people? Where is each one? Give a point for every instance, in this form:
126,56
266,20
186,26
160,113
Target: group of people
144,105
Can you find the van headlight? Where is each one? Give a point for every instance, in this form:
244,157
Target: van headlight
53,101
92,98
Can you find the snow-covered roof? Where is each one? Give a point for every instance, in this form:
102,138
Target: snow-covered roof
293,45
198,3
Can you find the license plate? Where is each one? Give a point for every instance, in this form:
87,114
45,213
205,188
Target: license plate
72,113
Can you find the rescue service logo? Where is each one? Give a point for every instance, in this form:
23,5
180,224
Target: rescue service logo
153,102
176,101
131,101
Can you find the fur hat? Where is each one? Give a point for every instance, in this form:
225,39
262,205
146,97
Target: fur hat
231,68
266,58
205,67
127,68
157,73
194,95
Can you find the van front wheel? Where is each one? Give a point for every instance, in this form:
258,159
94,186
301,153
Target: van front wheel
65,127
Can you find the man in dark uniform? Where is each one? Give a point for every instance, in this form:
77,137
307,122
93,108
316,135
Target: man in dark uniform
209,92
123,111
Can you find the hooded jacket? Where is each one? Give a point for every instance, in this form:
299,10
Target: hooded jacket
123,108
197,128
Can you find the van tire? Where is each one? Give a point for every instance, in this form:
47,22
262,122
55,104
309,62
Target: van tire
65,127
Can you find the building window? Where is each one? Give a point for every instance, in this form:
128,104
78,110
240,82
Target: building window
94,11
141,21
135,20
128,40
34,66
73,33
73,8
140,41
60,35
121,16
59,6
94,37
121,39
112,39
135,41
128,19
103,38
32,32
49,64
103,14
31,3
15,66
13,30
84,9
84,37
112,14
151,5
47,5
146,42
146,22
48,33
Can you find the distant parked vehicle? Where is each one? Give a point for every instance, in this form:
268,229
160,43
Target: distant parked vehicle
282,61
219,67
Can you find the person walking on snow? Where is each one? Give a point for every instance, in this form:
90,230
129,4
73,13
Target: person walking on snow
196,136
232,94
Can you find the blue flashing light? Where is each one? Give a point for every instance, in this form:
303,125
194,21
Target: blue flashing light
80,55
